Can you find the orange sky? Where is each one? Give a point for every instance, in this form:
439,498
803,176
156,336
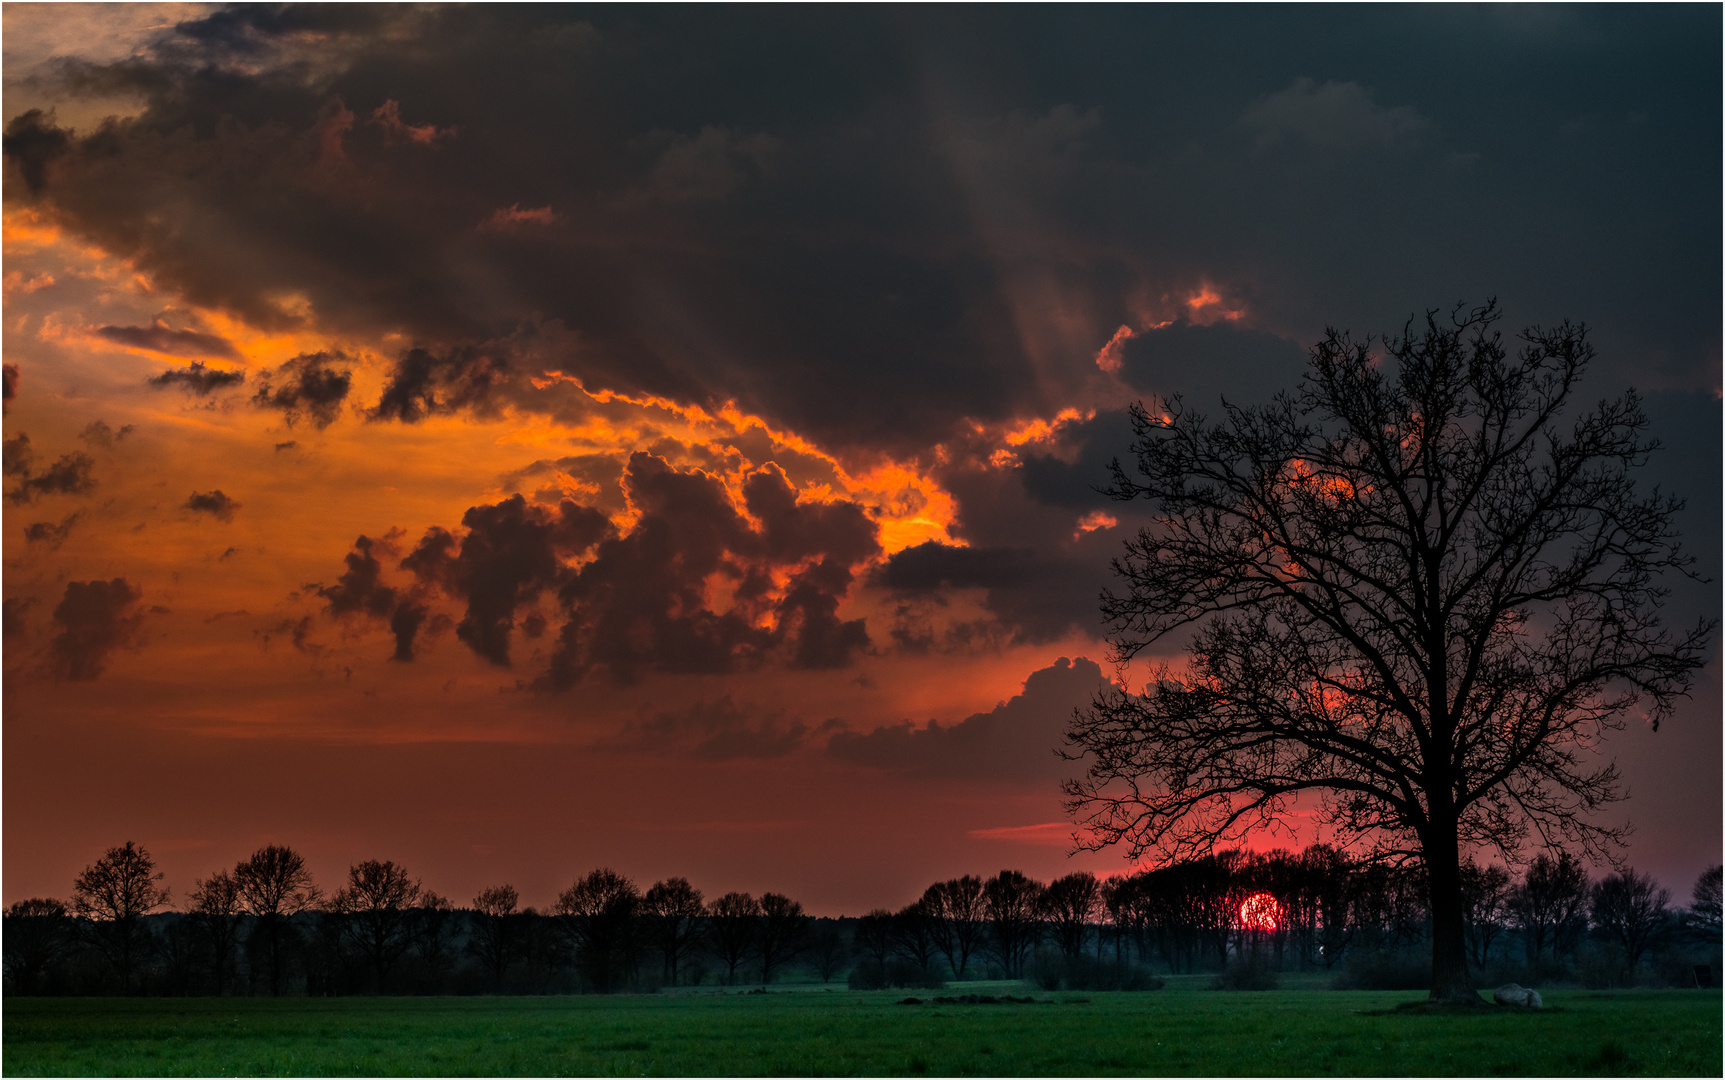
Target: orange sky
437,434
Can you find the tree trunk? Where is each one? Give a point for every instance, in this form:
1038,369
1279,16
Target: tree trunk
1450,982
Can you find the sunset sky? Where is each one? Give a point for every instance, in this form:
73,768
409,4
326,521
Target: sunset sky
517,440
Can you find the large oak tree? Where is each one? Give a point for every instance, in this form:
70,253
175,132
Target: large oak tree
1414,593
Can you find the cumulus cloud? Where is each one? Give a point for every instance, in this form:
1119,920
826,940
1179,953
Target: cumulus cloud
95,618
214,503
198,379
1016,740
8,382
309,384
98,434
159,338
422,384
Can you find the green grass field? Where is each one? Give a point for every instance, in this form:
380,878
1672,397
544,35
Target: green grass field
839,1032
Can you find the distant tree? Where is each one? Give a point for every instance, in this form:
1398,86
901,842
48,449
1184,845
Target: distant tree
1631,911
598,913
828,951
783,933
961,918
673,908
1704,907
37,934
113,895
375,905
1551,898
734,924
431,930
874,934
1013,901
1071,904
275,885
1414,591
215,909
495,938
1486,894
913,935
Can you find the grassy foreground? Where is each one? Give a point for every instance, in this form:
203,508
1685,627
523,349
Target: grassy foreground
1169,1032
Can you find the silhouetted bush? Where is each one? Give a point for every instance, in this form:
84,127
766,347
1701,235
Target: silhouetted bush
1386,969
898,973
1051,970
1249,972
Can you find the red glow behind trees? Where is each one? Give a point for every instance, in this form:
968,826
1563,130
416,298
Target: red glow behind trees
1261,912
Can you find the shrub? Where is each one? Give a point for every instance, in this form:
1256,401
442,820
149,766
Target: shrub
1250,972
898,973
1386,970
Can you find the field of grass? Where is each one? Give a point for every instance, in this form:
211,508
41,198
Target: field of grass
840,1032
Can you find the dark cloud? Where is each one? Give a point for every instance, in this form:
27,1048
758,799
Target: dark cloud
14,609
510,553
642,601
308,384
713,731
932,566
8,382
361,590
95,618
421,384
70,475
1204,364
100,435
33,141
289,445
1016,740
198,379
212,502
50,533
874,224
159,338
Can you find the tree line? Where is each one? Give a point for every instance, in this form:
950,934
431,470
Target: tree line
265,928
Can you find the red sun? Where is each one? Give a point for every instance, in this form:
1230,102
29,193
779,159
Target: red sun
1260,911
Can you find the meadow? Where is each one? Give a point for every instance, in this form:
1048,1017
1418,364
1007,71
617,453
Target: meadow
836,1032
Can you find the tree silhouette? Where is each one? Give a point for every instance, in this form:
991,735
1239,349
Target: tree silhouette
1013,902
1704,907
1629,910
1486,893
598,914
1071,904
495,939
960,916
733,922
1550,901
783,930
1415,590
216,909
113,895
275,886
673,908
374,912
37,934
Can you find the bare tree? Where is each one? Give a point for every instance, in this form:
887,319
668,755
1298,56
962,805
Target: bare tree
275,885
913,936
216,910
36,936
734,922
783,930
674,909
432,929
1550,904
1071,904
1414,590
1013,902
374,907
495,940
598,913
1631,911
113,895
1704,907
961,917
828,950
1486,893
874,935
